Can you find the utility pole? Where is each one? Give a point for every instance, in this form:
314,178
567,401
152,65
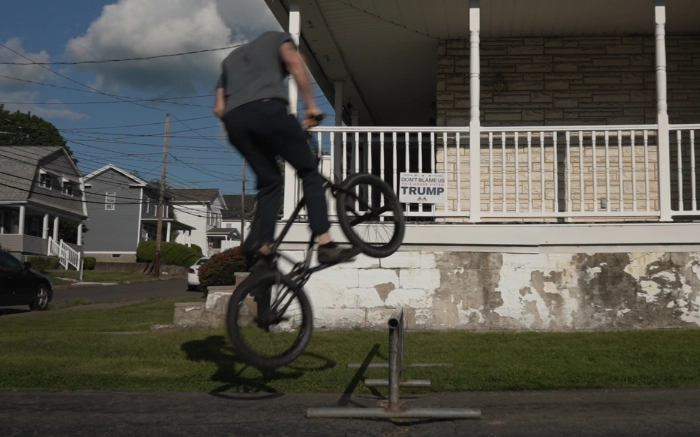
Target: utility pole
161,200
243,204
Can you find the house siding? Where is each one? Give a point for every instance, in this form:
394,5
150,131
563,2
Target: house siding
117,230
196,216
58,163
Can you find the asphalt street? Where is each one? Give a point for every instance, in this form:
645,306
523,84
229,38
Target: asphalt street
638,413
113,293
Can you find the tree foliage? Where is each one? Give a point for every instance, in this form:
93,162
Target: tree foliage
25,129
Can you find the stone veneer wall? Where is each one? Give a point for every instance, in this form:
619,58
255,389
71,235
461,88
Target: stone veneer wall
569,81
566,81
502,291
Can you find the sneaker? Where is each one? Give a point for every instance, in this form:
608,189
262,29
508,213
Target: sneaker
250,246
331,253
265,263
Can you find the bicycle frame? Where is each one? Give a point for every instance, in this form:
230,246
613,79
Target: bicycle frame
302,268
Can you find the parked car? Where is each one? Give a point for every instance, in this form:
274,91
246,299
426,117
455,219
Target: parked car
20,285
193,274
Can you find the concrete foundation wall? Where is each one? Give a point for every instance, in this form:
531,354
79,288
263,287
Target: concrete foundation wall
504,291
109,258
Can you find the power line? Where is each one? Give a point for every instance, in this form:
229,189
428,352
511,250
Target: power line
142,58
130,125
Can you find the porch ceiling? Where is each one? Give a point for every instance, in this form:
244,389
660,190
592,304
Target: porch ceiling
385,50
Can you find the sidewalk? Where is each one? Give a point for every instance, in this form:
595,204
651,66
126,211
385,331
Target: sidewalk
639,413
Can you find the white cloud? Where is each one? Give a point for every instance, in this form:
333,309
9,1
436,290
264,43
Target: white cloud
139,28
248,18
28,98
33,73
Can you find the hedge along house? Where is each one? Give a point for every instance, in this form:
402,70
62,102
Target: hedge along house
566,132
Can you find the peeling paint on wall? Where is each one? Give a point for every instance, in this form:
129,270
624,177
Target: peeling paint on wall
507,291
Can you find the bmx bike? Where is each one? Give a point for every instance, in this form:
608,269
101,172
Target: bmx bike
269,318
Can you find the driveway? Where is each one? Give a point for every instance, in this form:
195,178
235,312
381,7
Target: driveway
118,293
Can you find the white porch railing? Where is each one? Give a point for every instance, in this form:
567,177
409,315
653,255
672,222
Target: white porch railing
684,159
537,173
67,256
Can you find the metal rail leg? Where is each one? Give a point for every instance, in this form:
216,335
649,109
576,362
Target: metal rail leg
394,410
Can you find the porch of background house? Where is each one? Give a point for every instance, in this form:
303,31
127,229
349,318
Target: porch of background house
32,230
598,175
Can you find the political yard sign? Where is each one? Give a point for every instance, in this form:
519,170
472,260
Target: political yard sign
422,188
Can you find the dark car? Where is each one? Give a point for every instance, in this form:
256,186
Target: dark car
20,285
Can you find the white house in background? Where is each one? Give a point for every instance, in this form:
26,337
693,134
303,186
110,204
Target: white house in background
231,217
566,130
202,209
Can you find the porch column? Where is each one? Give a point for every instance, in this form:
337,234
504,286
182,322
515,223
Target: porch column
55,228
167,236
662,110
22,211
290,179
474,122
45,227
337,163
338,106
80,234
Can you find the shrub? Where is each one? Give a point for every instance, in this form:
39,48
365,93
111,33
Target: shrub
146,251
220,268
43,263
198,249
90,262
173,254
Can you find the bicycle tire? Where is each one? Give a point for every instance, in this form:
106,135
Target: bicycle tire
241,323
366,197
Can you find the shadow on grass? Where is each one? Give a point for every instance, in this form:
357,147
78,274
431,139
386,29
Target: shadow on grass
231,370
345,398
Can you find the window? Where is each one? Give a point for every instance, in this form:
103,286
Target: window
68,188
148,205
45,180
9,261
110,201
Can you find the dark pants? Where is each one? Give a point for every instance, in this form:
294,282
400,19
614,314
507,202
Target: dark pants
262,131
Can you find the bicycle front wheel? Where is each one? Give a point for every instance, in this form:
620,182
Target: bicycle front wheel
269,320
370,215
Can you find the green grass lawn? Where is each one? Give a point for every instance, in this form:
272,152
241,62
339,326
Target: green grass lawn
114,350
98,276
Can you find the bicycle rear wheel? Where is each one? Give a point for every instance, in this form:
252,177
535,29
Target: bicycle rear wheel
269,320
370,215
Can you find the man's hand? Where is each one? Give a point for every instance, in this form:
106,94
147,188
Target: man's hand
219,110
310,119
219,103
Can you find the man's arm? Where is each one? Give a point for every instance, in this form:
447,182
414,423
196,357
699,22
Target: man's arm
219,102
296,67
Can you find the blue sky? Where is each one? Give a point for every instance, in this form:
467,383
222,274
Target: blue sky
85,101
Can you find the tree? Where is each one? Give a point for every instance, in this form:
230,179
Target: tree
25,129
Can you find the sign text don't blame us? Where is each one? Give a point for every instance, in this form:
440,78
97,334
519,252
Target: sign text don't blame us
422,188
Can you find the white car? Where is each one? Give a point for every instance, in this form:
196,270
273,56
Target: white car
193,274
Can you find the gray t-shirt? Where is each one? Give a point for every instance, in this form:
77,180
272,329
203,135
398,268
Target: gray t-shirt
255,71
